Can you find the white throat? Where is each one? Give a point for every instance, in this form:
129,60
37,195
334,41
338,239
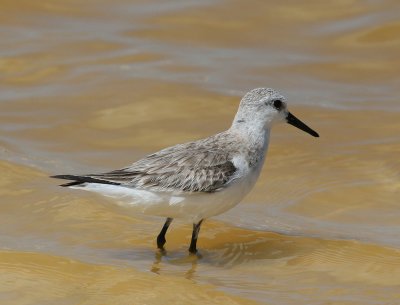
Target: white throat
255,132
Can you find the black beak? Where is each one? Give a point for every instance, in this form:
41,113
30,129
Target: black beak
292,120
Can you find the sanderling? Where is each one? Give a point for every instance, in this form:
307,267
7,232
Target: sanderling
199,179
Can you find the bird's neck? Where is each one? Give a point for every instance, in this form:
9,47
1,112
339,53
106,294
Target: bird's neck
256,135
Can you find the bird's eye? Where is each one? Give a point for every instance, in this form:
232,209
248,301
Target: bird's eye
278,104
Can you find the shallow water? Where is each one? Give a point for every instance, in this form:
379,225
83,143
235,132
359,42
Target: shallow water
94,86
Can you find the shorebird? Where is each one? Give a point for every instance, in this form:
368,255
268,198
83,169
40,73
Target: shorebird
199,179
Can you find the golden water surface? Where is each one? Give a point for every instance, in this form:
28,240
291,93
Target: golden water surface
87,86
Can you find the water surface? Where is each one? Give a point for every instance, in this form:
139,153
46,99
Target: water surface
93,86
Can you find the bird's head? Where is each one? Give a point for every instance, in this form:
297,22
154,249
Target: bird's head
266,107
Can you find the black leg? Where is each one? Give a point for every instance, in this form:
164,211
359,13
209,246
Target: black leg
161,237
195,234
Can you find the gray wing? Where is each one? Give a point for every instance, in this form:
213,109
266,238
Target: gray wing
190,167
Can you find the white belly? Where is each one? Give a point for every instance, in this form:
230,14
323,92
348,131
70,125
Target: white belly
189,206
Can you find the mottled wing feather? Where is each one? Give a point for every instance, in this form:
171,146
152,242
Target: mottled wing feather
190,167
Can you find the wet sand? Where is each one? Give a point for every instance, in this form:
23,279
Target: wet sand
92,87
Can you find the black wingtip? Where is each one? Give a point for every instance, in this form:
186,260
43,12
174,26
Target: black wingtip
81,179
71,183
68,177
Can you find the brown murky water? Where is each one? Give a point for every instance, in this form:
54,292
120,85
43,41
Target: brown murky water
93,86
